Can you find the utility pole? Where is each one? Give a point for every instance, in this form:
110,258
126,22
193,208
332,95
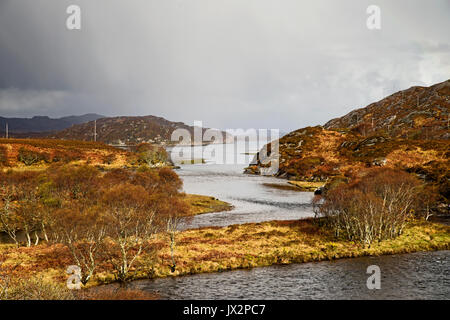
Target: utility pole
7,133
95,130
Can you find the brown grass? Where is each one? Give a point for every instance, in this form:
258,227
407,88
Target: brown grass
238,246
306,185
205,204
115,293
63,151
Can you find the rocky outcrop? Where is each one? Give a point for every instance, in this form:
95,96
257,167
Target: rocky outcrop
415,113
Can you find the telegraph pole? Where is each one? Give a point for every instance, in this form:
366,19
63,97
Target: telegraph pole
7,133
95,130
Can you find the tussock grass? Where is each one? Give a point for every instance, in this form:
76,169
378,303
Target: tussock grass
205,204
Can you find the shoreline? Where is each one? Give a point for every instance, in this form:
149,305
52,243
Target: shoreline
201,204
312,246
235,247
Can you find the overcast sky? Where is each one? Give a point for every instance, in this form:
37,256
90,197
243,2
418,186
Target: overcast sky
230,63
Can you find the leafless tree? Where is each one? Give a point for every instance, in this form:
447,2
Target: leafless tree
131,223
83,231
172,228
376,207
9,222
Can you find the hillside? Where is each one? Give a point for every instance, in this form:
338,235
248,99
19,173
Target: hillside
17,153
38,124
404,135
125,130
415,113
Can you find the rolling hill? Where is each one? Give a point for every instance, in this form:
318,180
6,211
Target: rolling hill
126,130
415,113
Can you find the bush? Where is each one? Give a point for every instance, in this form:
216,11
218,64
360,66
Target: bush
3,157
109,158
66,156
77,182
103,219
30,157
373,207
151,155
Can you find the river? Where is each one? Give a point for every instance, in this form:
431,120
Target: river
422,275
253,198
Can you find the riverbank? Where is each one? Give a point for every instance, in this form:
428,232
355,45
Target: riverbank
284,242
306,186
215,249
200,204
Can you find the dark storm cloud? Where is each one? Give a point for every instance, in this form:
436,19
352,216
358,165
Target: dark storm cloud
234,63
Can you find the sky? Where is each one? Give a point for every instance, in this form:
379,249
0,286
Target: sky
281,64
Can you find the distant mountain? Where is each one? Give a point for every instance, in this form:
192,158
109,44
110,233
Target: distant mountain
126,130
82,119
39,124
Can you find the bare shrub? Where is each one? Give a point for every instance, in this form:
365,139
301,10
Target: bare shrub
82,230
74,182
373,207
104,220
131,222
3,157
9,222
30,157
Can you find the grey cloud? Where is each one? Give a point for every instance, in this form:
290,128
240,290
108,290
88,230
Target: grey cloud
25,101
236,63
